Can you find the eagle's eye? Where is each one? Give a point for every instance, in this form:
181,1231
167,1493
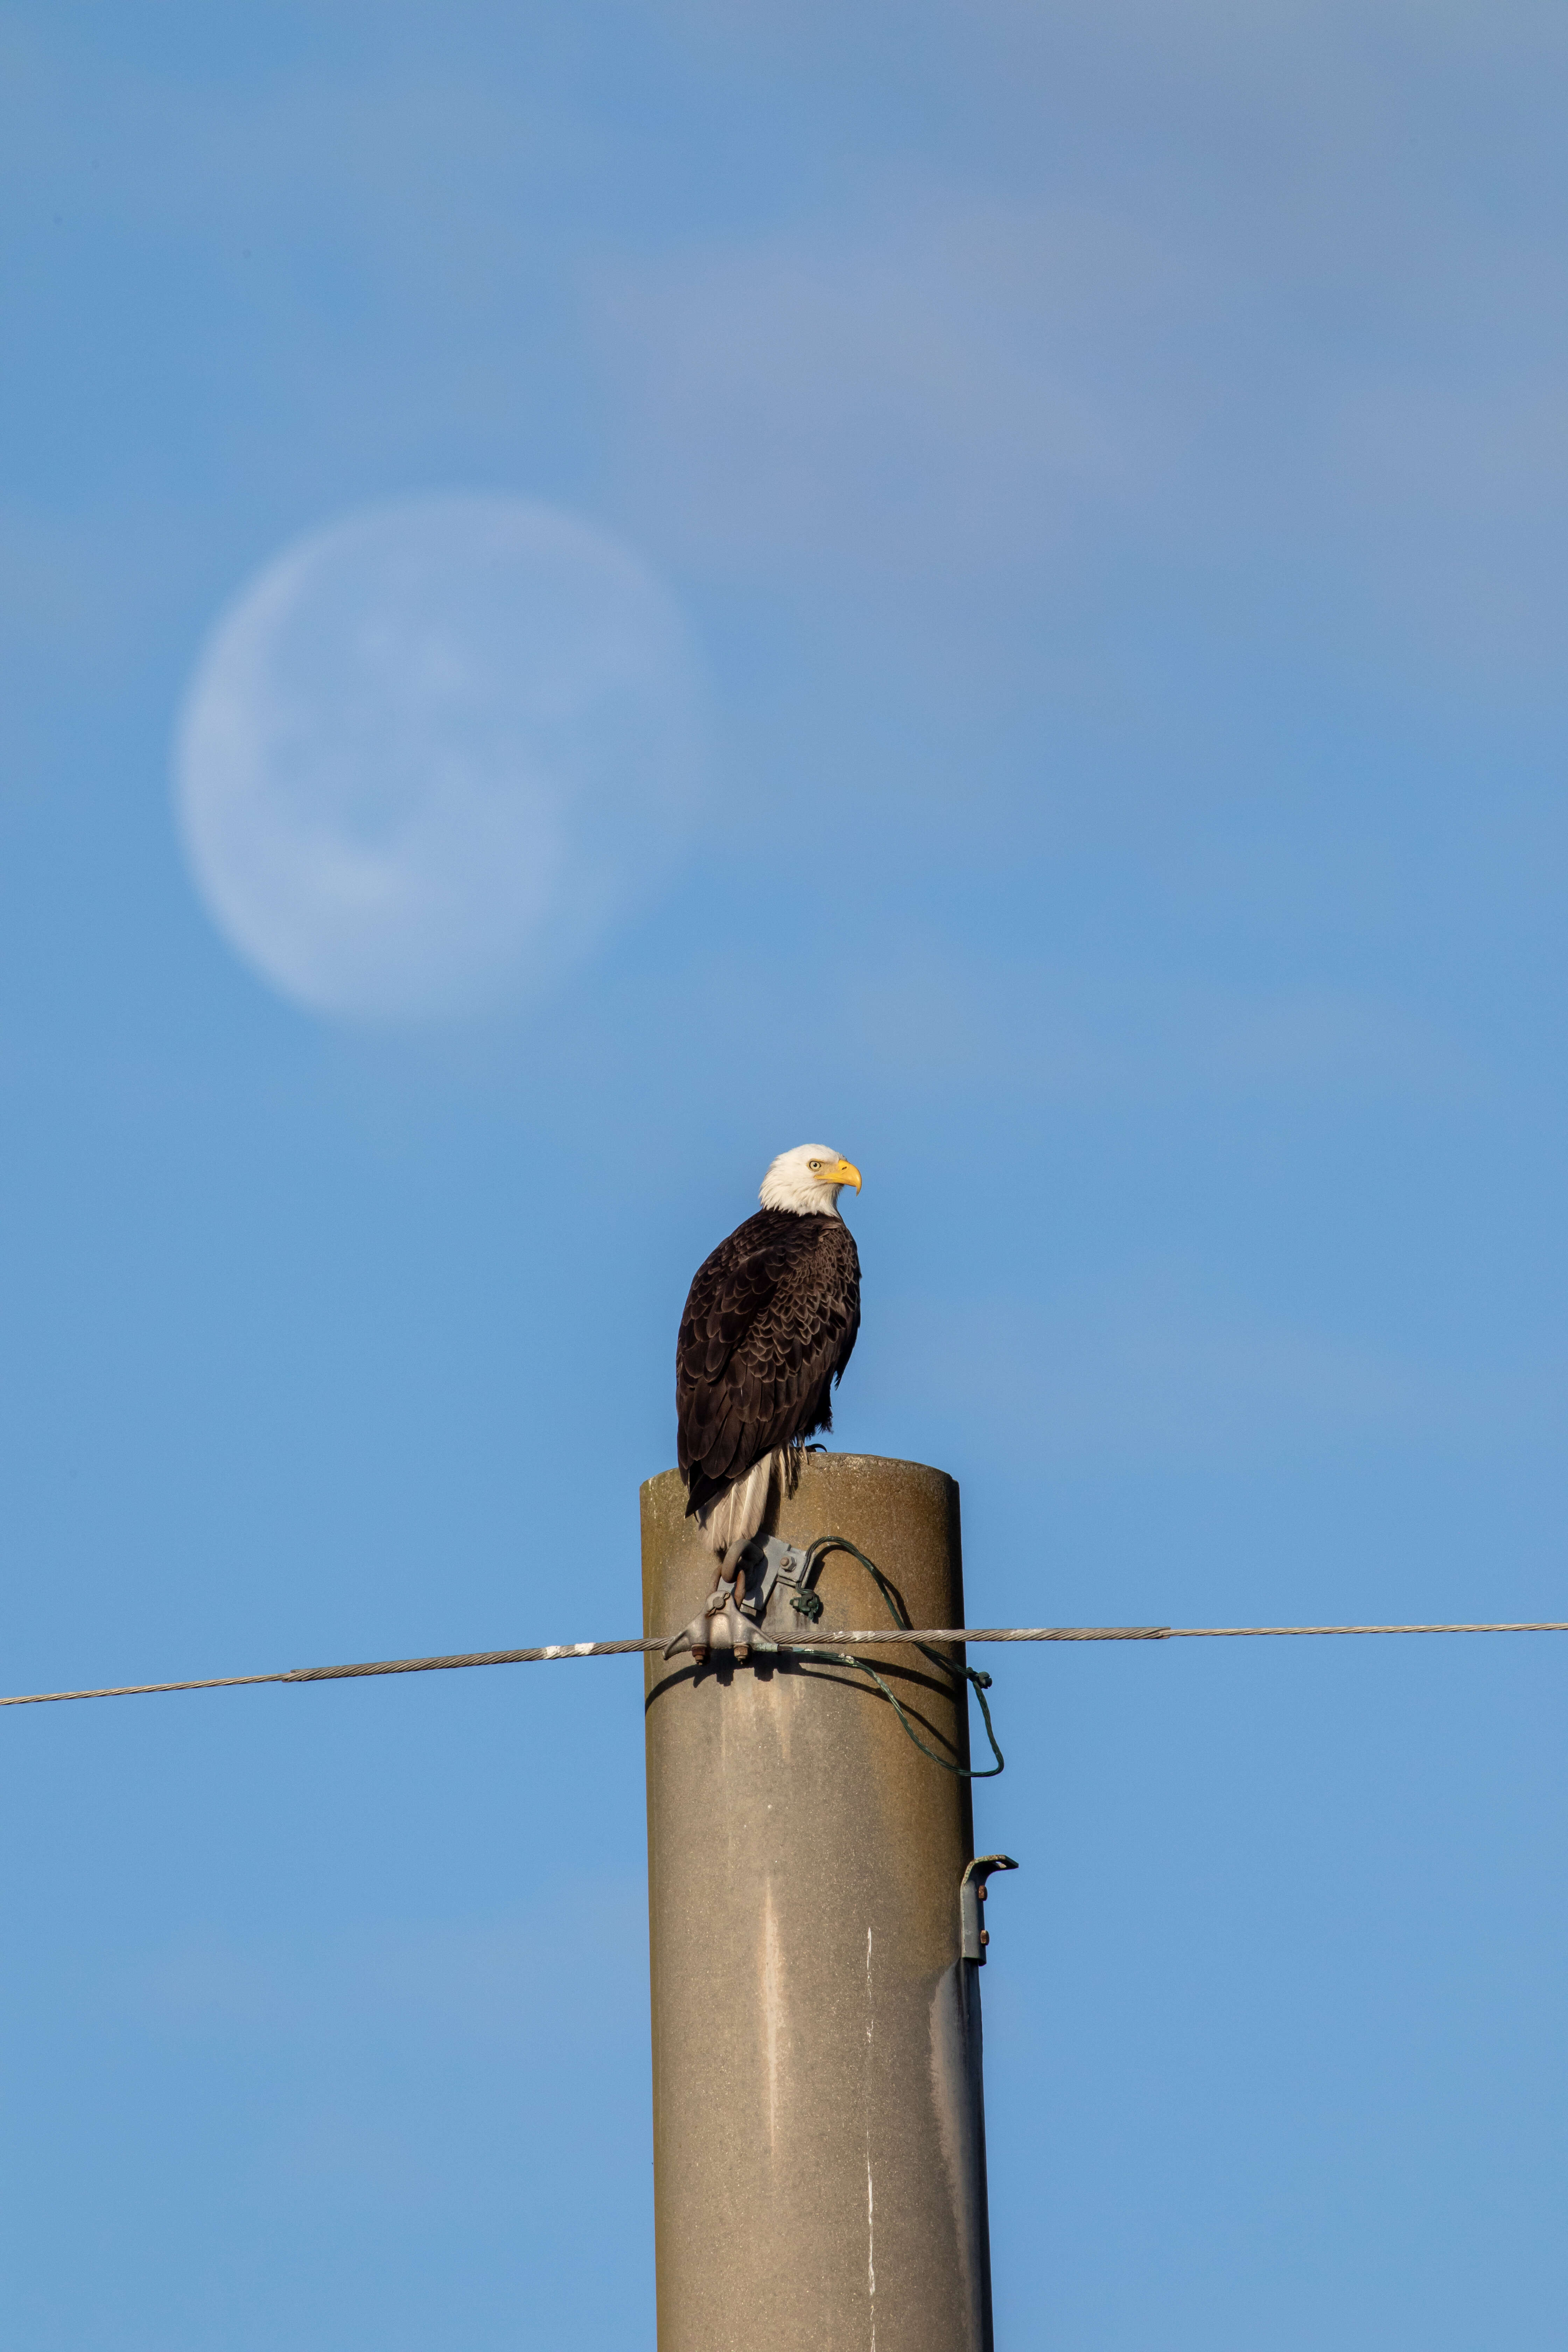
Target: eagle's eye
814,1163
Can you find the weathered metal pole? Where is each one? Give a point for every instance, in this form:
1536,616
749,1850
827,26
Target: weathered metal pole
819,2170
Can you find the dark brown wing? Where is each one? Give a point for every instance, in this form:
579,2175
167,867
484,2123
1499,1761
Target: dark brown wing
769,1325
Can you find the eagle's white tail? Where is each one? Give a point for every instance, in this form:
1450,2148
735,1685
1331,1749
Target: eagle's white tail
732,1518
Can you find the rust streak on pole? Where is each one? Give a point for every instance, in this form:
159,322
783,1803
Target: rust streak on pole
818,2143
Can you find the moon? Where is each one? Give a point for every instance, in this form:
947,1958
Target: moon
431,752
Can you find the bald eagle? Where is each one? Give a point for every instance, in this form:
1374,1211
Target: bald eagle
768,1327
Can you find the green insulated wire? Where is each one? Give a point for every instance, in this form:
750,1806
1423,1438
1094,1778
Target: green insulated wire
809,1604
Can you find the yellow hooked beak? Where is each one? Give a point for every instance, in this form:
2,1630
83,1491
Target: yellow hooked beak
838,1172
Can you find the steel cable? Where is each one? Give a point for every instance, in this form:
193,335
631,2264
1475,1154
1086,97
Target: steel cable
798,1642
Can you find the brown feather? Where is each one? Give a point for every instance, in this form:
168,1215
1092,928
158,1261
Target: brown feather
769,1326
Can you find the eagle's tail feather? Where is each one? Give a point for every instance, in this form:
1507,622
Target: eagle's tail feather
732,1518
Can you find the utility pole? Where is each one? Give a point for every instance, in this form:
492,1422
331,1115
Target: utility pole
819,2156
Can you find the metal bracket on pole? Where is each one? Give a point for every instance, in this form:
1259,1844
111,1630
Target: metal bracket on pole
971,1895
767,1559
741,1601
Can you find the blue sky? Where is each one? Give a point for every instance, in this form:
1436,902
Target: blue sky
1113,461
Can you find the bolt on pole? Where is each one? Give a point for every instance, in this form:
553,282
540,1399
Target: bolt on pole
819,2156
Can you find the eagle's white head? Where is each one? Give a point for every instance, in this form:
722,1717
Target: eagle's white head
808,1180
